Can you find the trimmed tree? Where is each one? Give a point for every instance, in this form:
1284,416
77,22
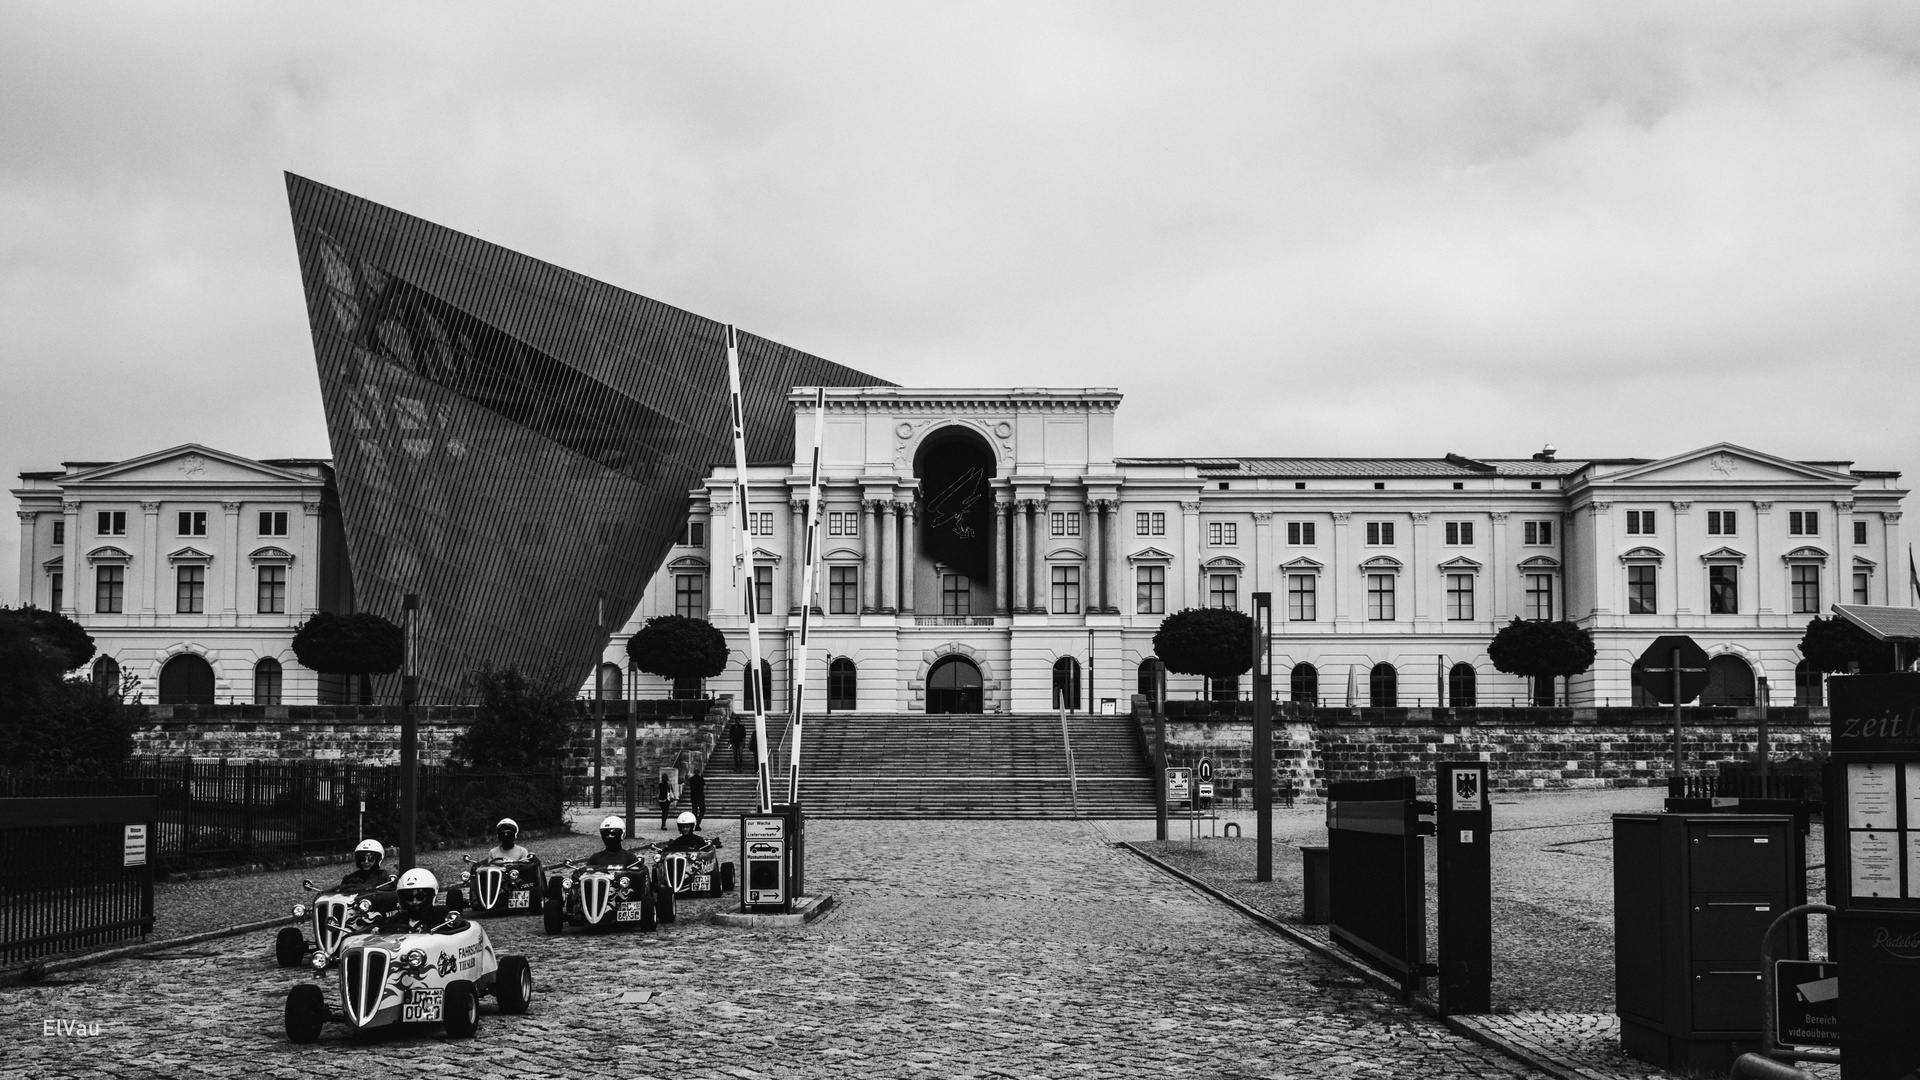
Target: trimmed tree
523,723
1214,642
362,644
1835,644
47,720
678,647
1534,648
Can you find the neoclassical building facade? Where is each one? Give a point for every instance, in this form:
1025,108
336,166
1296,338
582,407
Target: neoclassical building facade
191,568
987,549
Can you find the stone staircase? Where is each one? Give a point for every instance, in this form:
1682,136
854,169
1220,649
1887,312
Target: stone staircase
912,765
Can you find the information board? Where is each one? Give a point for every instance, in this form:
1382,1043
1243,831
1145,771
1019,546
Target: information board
1806,996
134,846
1179,785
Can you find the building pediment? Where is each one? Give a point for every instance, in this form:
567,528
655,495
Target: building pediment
1460,564
270,554
1724,555
189,554
1383,564
1642,555
1223,563
762,555
55,564
1540,564
1065,555
1861,562
1152,554
1807,553
189,465
688,564
1724,463
1302,565
842,554
107,553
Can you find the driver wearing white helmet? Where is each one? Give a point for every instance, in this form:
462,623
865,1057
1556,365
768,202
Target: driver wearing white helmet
613,830
689,838
509,849
417,913
367,872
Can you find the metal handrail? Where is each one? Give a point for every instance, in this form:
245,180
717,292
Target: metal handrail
1769,1022
1073,775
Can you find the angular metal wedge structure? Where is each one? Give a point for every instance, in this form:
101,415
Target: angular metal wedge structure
512,441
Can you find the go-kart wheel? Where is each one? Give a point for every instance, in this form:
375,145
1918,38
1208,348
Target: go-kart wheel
554,891
462,1010
513,985
306,1013
663,904
289,947
726,877
456,900
553,917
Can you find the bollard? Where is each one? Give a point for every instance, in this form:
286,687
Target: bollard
1759,1067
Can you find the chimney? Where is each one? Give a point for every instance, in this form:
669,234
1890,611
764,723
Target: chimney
1545,454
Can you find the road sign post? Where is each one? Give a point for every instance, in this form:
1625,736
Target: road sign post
1262,737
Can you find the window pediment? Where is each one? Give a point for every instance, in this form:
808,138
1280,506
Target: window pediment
1540,564
1382,564
1643,555
1724,555
1861,562
1807,554
1302,565
1065,555
842,554
1460,565
688,564
1223,563
54,565
270,554
189,554
762,555
107,553
1152,554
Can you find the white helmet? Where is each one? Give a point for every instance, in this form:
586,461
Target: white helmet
614,822
417,887
505,822
371,847
686,818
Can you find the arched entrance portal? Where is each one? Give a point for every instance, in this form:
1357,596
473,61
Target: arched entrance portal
186,680
954,686
955,467
1729,682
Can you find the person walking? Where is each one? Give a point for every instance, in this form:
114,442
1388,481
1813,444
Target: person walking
666,798
737,736
697,795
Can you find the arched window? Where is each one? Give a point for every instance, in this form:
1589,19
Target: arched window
1305,684
186,680
1809,688
954,686
612,682
746,686
1462,690
843,685
1066,683
1148,681
266,682
1227,689
106,674
1729,682
1383,686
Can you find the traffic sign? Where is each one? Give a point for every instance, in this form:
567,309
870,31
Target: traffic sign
1179,785
1806,997
1656,668
1206,770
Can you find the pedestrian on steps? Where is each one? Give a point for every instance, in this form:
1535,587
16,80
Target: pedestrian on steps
697,794
737,736
666,797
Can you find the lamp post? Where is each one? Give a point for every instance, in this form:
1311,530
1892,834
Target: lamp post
409,734
1263,735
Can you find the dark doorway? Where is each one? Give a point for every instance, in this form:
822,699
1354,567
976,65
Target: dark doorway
954,686
1304,684
843,685
955,467
1462,691
1729,682
766,683
1808,689
1066,683
1147,682
612,679
1543,696
266,682
186,680
1383,687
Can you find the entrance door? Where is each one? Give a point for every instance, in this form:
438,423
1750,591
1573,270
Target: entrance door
954,686
1729,682
186,680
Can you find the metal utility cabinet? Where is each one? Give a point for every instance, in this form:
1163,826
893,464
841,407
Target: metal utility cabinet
1692,896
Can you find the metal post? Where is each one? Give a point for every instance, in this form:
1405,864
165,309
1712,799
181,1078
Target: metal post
1764,755
1262,736
633,780
743,569
796,704
1160,750
409,737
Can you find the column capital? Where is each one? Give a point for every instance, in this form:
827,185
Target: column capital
1844,506
1030,503
1599,507
70,506
1763,507
231,508
1341,517
1499,516
900,504
27,515
1681,506
1420,516
1263,517
1890,516
1106,502
798,504
1191,507
875,503
150,507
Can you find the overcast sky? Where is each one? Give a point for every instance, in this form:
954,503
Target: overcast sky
1339,229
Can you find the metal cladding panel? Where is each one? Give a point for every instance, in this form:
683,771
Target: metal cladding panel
513,441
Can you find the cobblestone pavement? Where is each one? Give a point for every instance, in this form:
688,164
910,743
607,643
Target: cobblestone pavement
964,949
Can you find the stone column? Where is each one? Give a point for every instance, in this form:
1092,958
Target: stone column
1002,583
1500,606
870,556
234,580
1340,573
306,568
1423,571
1022,555
150,595
1110,543
1263,551
1889,571
29,571
1096,599
889,557
71,562
1195,578
797,556
908,555
1689,575
1842,561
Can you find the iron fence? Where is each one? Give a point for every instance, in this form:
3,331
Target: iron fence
70,877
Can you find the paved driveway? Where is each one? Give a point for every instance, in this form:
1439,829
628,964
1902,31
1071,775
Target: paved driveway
1013,949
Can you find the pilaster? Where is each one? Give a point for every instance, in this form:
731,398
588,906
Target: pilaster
1339,578
231,608
150,573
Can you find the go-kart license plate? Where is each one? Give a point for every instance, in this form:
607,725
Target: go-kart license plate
520,898
421,1005
628,911
701,883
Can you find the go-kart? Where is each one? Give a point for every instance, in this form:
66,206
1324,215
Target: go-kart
328,915
386,980
498,888
694,873
600,897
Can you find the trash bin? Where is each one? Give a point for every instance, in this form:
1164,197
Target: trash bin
1313,892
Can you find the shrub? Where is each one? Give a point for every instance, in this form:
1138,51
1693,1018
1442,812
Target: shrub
1215,642
678,647
360,644
1835,644
1535,649
521,725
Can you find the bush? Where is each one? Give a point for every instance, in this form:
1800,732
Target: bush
521,725
1836,644
1215,642
678,647
1536,649
360,644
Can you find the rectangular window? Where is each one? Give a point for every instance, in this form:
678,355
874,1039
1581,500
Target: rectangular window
1803,523
1639,523
273,590
1066,590
193,523
1641,596
1380,533
1380,596
1539,532
690,595
109,589
190,590
1460,597
1859,532
956,595
1150,523
1720,523
1223,591
59,582
843,523
1540,597
1065,523
111,523
763,590
1150,590
1300,533
1804,579
760,523
1223,533
60,533
273,523
694,535
1723,590
843,590
1302,599
1459,533
1059,524
1859,588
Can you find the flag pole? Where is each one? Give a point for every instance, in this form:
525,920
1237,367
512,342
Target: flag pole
807,586
743,561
